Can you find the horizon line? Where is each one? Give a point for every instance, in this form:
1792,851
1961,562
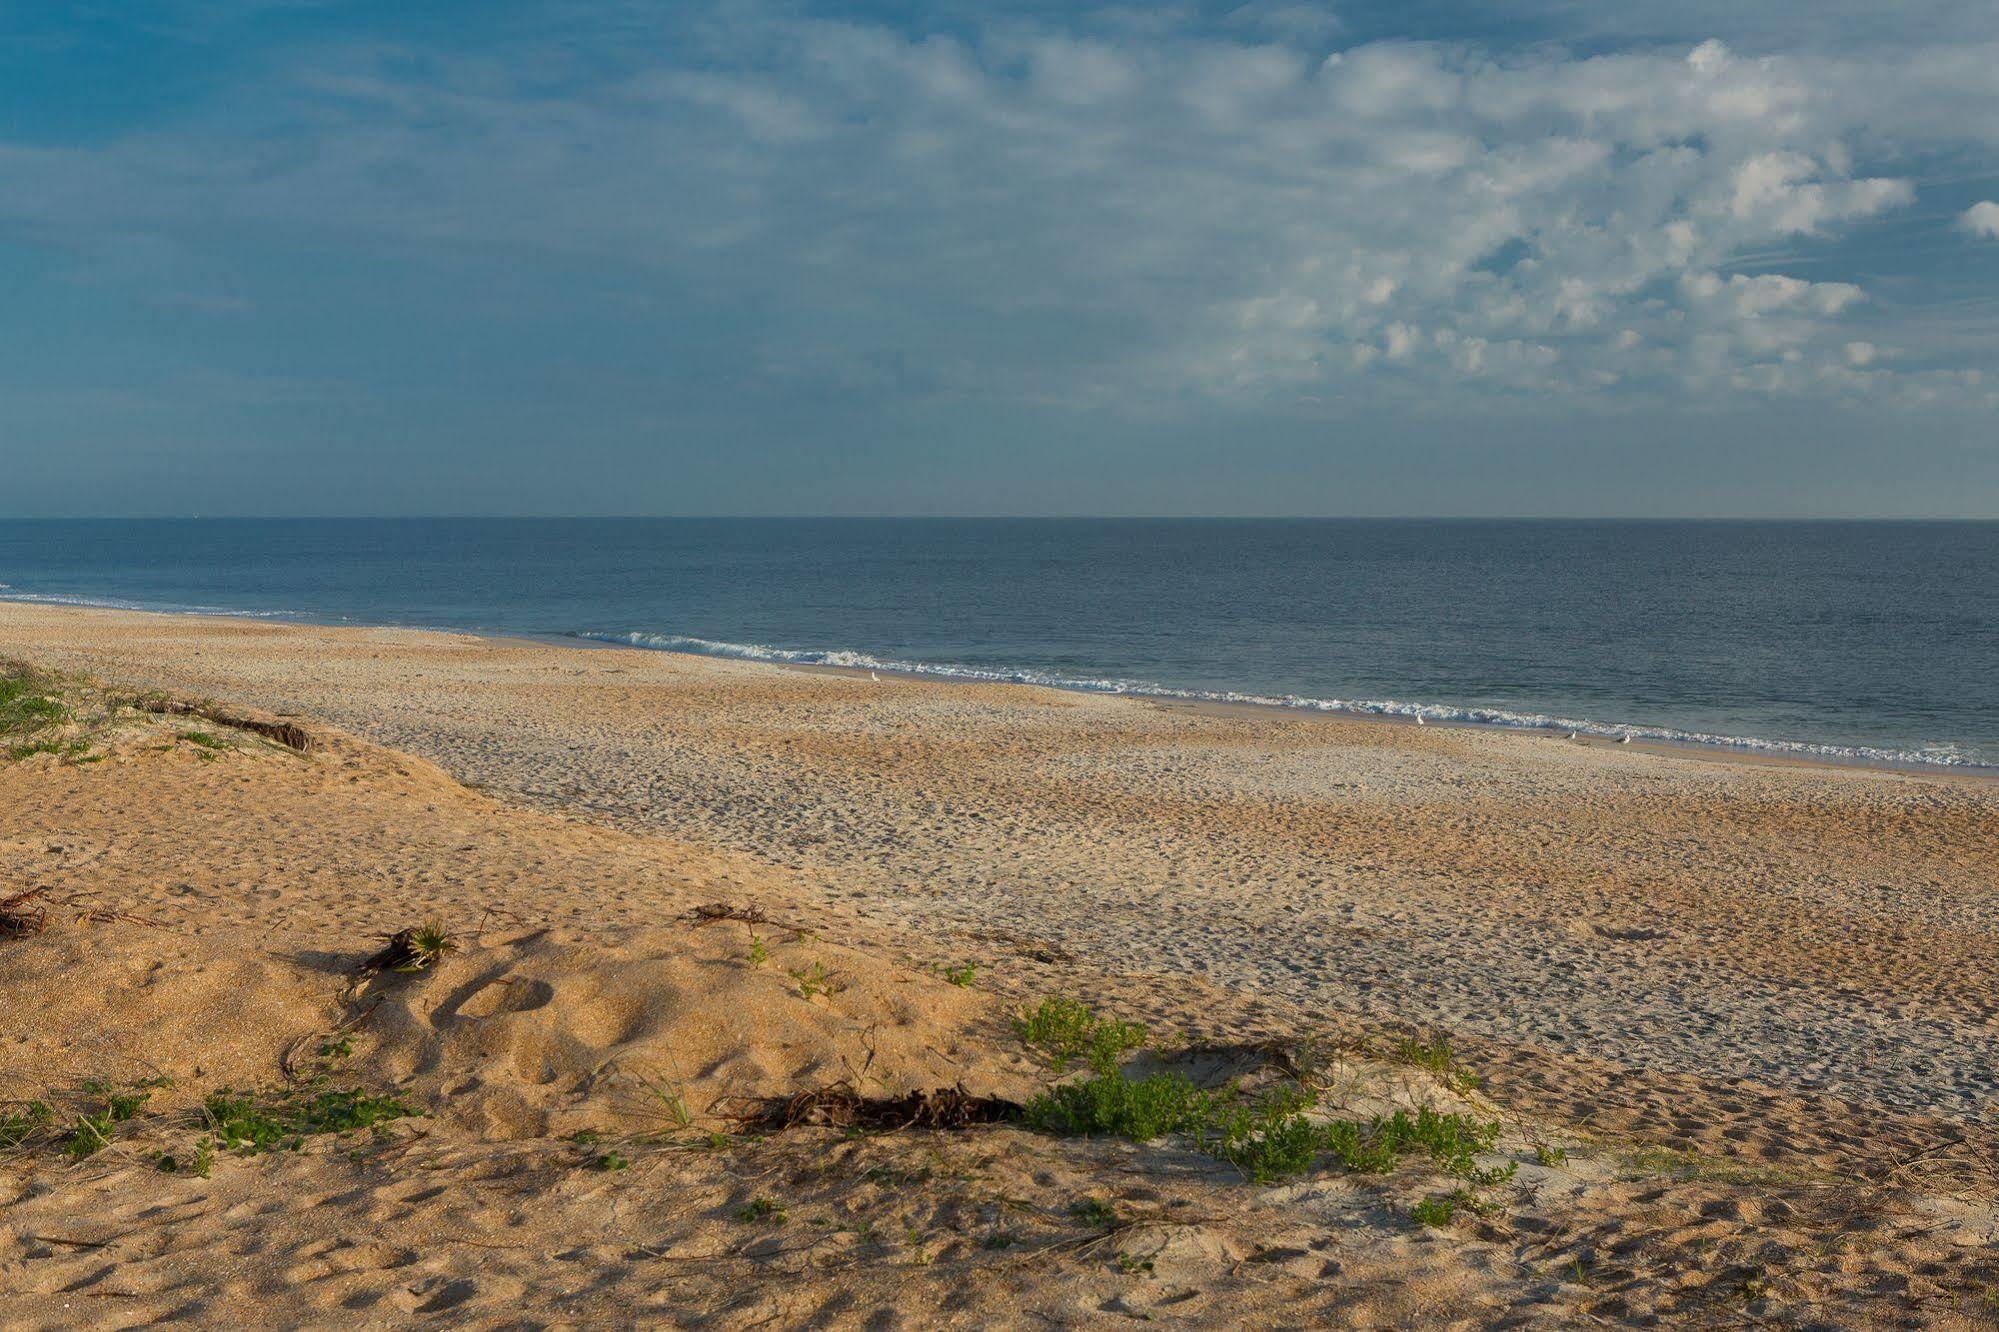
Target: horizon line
997,517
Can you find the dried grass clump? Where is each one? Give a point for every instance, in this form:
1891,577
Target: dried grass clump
840,1106
23,914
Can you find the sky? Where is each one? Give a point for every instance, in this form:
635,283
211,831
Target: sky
1546,257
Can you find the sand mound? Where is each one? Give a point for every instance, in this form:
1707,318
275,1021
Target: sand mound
513,1037
120,1002
547,1032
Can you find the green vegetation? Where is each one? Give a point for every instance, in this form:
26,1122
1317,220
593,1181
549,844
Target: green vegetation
415,949
88,1136
962,977
1095,1212
203,739
1111,1104
68,750
812,980
761,1209
1437,1212
609,1161
428,943
1268,1136
1435,1055
26,703
759,954
247,1124
1064,1029
31,707
30,1120
244,1122
670,1102
197,1165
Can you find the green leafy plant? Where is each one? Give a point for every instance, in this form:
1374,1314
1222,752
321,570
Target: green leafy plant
1436,1212
246,1124
962,977
761,1210
31,1119
758,953
198,1163
811,980
1110,1103
1062,1029
1269,1147
428,944
90,1135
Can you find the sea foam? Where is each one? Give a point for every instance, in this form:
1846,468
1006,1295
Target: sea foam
1931,756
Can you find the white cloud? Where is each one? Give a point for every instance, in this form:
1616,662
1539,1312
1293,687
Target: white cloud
1783,192
1981,219
1120,215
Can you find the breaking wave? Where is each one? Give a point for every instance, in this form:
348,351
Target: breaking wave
8,593
1930,756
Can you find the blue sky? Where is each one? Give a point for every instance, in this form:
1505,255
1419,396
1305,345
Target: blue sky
612,256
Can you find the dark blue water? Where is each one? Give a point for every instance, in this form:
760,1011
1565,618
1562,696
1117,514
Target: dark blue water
1874,639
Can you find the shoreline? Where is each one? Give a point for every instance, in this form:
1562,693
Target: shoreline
1756,751
1810,926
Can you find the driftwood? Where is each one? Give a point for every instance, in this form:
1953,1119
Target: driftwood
288,734
840,1106
710,912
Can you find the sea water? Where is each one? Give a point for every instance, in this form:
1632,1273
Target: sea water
1872,641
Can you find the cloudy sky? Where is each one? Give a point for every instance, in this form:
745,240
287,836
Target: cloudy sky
746,256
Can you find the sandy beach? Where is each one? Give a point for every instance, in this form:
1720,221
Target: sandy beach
1779,980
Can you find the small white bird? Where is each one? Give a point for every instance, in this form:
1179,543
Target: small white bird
1571,735
1420,721
876,678
1623,739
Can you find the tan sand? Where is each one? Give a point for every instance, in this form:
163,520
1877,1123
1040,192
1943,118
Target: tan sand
1786,970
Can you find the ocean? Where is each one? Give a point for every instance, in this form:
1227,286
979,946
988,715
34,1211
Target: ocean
1869,641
